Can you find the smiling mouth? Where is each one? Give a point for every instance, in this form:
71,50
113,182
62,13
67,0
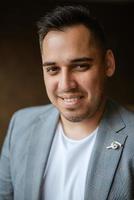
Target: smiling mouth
71,100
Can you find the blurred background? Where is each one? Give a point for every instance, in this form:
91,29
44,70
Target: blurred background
21,80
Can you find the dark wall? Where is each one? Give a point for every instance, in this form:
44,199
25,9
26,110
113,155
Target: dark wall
21,81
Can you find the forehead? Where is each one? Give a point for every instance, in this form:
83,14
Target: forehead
71,42
77,34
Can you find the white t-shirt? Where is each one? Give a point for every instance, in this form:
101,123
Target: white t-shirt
65,175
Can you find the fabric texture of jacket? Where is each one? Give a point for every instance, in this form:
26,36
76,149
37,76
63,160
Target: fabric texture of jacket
27,145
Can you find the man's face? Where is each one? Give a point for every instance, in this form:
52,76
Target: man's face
74,72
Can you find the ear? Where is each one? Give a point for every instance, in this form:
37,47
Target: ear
109,63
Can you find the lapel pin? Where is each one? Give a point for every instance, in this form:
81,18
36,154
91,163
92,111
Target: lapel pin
114,145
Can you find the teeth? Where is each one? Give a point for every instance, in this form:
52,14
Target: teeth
71,100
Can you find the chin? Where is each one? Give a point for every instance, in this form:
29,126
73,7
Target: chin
76,117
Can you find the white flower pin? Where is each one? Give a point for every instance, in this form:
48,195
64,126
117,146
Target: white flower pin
114,145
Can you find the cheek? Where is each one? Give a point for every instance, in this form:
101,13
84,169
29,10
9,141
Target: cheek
92,82
88,81
50,85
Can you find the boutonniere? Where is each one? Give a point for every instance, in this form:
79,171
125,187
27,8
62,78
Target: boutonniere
114,145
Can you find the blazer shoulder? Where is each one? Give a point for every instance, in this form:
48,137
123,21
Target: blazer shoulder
32,113
125,114
23,121
127,117
24,118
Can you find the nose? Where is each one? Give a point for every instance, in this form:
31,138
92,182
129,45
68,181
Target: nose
67,81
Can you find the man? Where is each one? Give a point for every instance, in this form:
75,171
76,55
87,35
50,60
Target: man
82,146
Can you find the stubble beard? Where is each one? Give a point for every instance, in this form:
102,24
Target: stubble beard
88,114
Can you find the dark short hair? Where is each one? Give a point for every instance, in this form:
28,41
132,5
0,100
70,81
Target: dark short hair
66,16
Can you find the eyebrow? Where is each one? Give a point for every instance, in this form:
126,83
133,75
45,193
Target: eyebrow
82,59
48,63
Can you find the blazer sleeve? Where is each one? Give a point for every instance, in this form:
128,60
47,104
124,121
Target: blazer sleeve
6,186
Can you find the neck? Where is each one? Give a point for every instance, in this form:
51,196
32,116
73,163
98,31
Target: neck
80,130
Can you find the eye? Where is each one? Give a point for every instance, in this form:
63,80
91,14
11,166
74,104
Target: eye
82,67
52,70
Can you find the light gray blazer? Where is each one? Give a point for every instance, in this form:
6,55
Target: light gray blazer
27,145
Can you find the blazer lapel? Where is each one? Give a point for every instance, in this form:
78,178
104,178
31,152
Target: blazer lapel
41,139
104,162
